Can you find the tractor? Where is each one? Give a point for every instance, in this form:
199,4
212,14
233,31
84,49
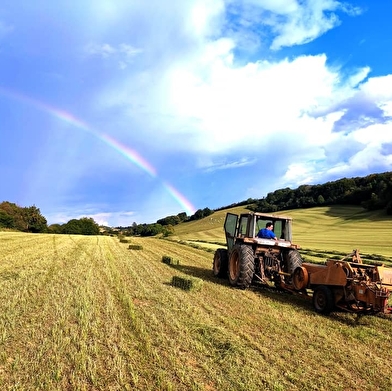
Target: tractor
348,283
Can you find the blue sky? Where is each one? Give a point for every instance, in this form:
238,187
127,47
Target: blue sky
130,111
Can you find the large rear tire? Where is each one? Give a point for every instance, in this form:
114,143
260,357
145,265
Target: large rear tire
323,300
241,266
294,260
220,263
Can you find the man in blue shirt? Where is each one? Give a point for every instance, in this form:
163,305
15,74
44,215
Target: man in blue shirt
267,232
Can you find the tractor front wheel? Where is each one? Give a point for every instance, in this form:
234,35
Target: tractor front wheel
219,266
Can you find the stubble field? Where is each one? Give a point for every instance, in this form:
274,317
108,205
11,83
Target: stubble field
87,313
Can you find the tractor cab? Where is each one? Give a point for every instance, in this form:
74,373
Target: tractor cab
247,225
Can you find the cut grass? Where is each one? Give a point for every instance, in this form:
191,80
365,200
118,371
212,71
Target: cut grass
85,313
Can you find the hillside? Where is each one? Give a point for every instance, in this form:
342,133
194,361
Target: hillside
334,228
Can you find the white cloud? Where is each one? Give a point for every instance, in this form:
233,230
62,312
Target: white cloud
378,88
299,173
243,162
304,23
220,107
205,16
123,54
288,22
104,50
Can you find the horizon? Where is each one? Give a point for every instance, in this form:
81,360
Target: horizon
236,204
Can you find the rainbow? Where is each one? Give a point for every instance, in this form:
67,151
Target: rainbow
185,203
129,153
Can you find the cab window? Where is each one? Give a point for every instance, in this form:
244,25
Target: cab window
243,226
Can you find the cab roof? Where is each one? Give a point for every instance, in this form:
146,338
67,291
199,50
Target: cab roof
268,216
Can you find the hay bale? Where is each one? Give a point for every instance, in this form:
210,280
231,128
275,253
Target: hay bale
187,284
135,247
124,240
170,261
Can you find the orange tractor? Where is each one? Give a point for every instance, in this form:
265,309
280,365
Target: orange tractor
347,283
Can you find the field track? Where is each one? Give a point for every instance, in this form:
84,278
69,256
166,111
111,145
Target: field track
87,313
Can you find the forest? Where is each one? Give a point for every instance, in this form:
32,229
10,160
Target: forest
372,192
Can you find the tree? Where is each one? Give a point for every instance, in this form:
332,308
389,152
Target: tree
169,220
72,227
182,216
34,220
16,212
167,230
6,221
320,200
89,226
83,226
151,229
207,212
55,229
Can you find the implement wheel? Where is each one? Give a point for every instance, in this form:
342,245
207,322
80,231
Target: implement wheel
323,300
219,265
241,266
300,278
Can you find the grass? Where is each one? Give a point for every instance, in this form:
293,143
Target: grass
85,313
327,229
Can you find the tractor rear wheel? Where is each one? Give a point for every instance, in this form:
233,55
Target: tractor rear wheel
241,266
219,265
323,300
294,260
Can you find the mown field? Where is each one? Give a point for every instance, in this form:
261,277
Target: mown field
88,313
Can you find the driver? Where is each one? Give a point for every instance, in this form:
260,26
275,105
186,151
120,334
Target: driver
267,232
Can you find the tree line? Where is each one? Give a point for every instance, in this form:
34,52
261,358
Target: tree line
163,226
372,192
30,219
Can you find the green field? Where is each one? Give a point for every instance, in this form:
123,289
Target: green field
320,231
88,313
